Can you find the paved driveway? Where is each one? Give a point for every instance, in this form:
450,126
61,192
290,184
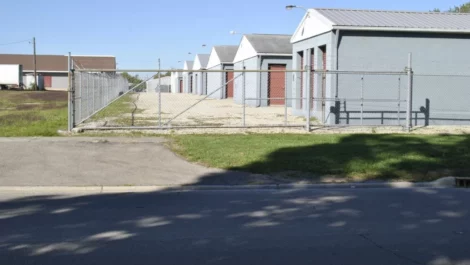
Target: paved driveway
101,161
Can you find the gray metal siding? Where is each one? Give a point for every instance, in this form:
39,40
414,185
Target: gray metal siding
433,54
61,82
186,82
214,82
256,84
251,81
305,46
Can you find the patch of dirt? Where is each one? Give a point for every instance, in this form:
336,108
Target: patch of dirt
47,95
45,106
13,118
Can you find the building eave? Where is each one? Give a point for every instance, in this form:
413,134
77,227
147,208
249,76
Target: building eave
391,29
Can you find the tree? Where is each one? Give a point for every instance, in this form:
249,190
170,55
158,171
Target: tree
134,80
162,75
464,8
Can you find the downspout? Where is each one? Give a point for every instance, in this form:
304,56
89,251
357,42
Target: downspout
337,61
337,103
260,82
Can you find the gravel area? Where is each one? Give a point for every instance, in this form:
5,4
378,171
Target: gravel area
186,110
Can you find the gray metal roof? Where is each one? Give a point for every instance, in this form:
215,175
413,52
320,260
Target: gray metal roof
203,59
270,43
190,64
396,19
226,53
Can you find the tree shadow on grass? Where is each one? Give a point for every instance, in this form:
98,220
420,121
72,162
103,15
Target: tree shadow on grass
368,157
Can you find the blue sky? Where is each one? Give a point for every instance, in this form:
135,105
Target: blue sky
141,31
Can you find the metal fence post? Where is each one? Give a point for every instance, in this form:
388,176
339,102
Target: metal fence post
399,100
159,95
308,95
362,100
243,95
70,95
410,94
285,97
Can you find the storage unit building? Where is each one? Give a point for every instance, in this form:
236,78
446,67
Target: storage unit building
380,41
220,85
199,78
263,52
54,68
176,82
188,77
159,84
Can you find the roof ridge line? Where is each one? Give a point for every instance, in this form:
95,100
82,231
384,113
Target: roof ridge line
390,11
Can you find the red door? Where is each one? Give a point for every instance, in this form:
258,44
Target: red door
229,86
277,85
47,81
181,86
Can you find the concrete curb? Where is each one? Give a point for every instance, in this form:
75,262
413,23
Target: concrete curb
173,188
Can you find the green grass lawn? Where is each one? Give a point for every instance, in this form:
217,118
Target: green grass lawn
354,157
32,113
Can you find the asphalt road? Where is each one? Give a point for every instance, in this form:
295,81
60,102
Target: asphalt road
349,226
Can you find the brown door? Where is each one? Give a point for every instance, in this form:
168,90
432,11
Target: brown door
277,85
47,81
181,86
229,85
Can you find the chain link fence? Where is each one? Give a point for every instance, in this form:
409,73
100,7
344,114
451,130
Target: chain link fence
94,92
276,97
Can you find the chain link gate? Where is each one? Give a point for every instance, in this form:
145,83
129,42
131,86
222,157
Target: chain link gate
240,98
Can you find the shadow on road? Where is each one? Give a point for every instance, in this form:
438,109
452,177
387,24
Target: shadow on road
355,226
381,226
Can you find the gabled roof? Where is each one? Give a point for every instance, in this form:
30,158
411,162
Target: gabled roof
321,20
223,54
226,53
270,43
58,63
188,65
263,44
201,60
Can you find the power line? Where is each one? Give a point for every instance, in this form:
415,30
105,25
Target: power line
16,42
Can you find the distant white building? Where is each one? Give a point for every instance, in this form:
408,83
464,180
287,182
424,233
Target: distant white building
154,84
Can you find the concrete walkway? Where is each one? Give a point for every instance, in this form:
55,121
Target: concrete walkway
74,161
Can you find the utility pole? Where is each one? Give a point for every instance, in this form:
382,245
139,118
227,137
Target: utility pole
34,63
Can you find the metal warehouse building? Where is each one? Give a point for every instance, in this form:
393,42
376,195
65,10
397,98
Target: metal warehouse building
176,82
367,40
263,52
188,77
199,78
54,68
221,58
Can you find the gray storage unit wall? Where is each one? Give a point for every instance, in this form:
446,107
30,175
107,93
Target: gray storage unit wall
380,41
214,83
217,81
60,82
435,58
256,83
